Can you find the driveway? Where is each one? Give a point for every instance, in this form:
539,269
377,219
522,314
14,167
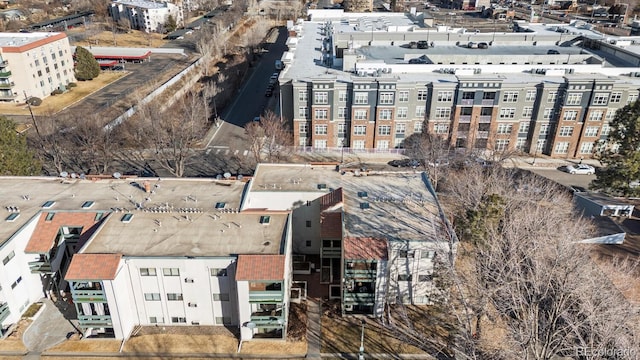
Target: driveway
51,327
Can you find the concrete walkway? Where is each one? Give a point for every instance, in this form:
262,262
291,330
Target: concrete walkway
50,327
314,328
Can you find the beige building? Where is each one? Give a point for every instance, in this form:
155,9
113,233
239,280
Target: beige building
34,64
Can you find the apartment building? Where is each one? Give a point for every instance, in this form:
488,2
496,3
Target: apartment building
146,15
34,64
539,91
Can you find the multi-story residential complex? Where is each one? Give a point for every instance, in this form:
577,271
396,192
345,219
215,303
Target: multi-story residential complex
548,89
34,64
193,252
146,15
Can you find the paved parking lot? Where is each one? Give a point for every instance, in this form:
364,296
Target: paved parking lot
565,178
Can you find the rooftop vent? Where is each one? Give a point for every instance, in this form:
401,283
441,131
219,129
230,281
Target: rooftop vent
322,186
364,205
12,217
87,204
362,194
48,205
265,219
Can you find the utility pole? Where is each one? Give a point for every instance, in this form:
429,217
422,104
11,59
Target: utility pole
361,353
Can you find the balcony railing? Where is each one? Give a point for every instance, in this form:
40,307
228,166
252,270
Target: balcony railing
3,63
87,321
465,119
331,252
7,96
4,311
483,134
354,273
488,101
6,85
40,267
466,102
267,320
83,296
5,74
484,119
266,296
359,297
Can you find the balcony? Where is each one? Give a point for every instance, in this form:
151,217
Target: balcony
331,252
4,311
266,296
3,63
484,119
465,119
483,134
7,95
6,85
466,102
5,74
41,266
462,134
363,298
361,273
87,321
488,101
86,295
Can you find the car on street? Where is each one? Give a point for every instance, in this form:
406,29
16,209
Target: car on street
581,169
404,163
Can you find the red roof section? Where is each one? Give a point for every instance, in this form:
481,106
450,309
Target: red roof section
260,267
122,57
333,198
365,249
331,225
46,232
93,267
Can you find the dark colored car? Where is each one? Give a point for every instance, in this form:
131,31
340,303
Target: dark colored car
423,44
404,163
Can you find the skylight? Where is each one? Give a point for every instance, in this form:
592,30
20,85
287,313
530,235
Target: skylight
48,205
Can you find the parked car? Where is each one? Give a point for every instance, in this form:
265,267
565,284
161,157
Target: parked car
404,163
552,52
483,45
422,44
582,169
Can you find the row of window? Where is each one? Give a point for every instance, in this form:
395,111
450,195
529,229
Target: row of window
361,98
400,129
362,114
178,297
176,272
409,277
220,320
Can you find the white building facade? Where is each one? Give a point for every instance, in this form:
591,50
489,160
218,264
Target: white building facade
148,16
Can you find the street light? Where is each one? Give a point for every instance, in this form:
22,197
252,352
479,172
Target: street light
361,353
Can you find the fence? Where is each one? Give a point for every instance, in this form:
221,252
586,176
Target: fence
346,150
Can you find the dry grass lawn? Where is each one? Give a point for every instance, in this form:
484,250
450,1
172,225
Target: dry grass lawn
53,104
133,39
274,347
88,345
12,345
182,344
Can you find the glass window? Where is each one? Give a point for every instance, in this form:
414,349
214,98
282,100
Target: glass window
544,129
422,95
302,95
303,128
566,131
531,96
303,112
570,115
443,113
615,97
321,114
586,148
174,296
402,113
502,144
320,144
523,128
171,272
360,115
403,96
596,115
359,130
507,113
386,114
417,127
600,98
421,110
401,129
221,297
147,271
358,144
218,272
527,111
342,129
321,97
591,131
321,129
510,96
504,128
343,96
574,99
361,98
342,112
384,130
445,96
386,98
8,258
552,96
152,296
441,128
562,148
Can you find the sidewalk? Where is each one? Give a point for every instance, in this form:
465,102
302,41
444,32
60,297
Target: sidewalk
314,328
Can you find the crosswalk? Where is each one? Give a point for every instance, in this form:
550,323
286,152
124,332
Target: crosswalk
226,151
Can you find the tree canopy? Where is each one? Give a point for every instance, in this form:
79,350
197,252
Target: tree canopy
621,155
15,157
87,67
170,25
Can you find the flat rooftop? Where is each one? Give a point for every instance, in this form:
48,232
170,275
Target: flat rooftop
208,234
142,4
26,196
392,205
21,39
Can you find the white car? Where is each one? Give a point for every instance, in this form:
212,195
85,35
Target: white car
581,169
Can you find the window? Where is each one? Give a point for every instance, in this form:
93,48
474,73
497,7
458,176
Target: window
156,320
427,254
226,320
574,99
321,130
527,111
507,113
360,115
531,96
321,97
361,98
15,283
596,115
611,113
552,96
303,128
404,277
566,131
171,272
383,144
615,97
152,296
358,144
488,96
302,141
468,95
401,113
126,218
343,96
600,98
265,219
12,217
178,320
422,95
406,253
562,147
342,112
403,96
632,98
570,115
8,258
87,204
586,148
99,216
321,114
425,278
443,113
591,131
303,112
302,95
308,223
174,296
606,129
384,130
521,143
147,271
548,113
441,128
219,272
320,144
445,96
502,144
504,128
401,129
386,98
544,129
360,130
386,114
417,127
421,110
221,297
510,96
342,129
523,128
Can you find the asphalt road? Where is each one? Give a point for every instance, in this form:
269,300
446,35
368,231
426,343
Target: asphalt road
564,178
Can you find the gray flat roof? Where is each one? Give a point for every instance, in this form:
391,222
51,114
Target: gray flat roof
142,4
28,194
400,207
21,39
206,234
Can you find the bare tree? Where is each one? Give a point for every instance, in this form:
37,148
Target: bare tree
432,151
50,142
270,136
97,145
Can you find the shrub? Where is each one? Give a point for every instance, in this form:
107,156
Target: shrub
56,92
72,85
34,101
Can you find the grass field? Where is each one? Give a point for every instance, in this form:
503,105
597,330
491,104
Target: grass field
134,38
